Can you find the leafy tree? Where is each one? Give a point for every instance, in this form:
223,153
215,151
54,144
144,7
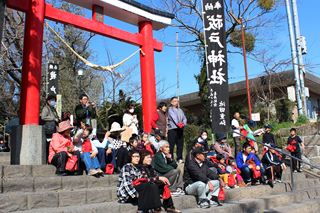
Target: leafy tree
69,64
11,64
188,18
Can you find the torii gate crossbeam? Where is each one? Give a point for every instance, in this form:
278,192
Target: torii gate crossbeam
37,11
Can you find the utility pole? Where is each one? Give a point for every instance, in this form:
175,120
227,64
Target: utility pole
244,53
177,65
294,59
299,54
2,11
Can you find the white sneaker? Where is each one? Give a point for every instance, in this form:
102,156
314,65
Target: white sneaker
92,172
180,191
175,194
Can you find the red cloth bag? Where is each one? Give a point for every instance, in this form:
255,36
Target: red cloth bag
231,181
214,159
109,169
149,148
256,173
138,181
291,148
221,195
72,164
166,192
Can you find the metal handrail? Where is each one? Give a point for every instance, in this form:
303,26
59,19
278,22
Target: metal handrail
284,153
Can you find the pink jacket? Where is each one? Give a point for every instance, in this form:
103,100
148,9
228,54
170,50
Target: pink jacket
58,144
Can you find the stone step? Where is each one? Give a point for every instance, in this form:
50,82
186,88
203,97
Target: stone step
312,151
286,176
256,205
311,206
15,171
38,184
311,140
94,203
315,160
62,198
4,158
185,203
26,201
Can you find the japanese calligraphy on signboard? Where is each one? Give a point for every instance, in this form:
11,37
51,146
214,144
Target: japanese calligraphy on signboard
216,60
53,73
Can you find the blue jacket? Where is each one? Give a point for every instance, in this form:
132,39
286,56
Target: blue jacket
241,164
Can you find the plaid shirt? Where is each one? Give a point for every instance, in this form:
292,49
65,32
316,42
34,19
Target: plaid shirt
125,188
117,144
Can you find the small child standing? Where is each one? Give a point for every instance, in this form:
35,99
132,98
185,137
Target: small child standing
293,146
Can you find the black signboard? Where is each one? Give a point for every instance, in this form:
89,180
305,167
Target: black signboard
53,73
216,60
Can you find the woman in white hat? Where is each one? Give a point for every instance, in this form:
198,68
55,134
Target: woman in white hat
115,140
61,148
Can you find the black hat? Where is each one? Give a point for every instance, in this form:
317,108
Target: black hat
267,126
251,123
158,132
198,150
220,136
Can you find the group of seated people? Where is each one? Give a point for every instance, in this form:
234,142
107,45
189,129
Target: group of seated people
149,173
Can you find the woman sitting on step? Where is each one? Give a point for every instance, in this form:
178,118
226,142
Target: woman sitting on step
149,175
131,188
61,148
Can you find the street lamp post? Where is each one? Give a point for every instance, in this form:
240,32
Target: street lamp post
80,74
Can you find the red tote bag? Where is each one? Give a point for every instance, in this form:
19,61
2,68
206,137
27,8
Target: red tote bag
72,164
221,195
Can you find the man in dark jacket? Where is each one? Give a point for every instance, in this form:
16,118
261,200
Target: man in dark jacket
200,180
166,166
85,111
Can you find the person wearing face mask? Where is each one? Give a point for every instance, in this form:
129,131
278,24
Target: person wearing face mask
130,120
50,119
202,139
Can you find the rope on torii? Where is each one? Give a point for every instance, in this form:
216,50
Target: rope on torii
109,68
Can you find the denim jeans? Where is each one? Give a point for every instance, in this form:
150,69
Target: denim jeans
91,163
200,189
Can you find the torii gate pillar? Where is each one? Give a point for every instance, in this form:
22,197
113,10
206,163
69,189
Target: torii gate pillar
32,60
28,147
148,83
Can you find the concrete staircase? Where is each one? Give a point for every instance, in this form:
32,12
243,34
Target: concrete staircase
37,189
312,148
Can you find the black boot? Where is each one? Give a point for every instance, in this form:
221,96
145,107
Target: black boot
215,199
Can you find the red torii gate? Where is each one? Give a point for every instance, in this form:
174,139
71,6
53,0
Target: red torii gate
38,10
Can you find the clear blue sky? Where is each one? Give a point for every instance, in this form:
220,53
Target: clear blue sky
165,61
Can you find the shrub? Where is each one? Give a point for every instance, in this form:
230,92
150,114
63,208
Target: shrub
302,119
190,133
